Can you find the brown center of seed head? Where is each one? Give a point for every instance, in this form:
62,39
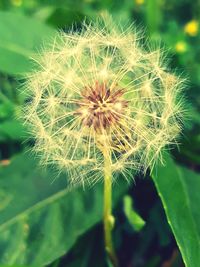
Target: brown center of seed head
101,107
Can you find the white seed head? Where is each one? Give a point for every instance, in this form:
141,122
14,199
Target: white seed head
97,90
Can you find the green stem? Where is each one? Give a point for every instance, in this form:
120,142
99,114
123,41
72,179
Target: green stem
108,217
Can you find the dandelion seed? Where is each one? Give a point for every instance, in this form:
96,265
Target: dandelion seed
100,92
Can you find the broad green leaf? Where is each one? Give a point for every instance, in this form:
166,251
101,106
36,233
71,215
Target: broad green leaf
133,217
20,38
39,219
179,191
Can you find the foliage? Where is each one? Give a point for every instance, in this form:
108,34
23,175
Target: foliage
41,220
179,191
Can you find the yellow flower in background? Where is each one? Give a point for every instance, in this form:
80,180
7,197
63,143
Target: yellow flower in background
192,27
16,2
181,47
139,2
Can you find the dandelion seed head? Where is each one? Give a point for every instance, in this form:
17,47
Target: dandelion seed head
101,90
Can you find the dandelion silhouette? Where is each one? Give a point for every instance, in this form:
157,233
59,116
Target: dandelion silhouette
101,105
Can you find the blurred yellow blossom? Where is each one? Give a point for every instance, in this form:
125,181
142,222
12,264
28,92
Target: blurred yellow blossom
192,27
4,162
139,2
16,2
181,47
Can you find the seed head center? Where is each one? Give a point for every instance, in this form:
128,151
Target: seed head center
100,107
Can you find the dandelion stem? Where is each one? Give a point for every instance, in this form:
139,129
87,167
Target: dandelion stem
108,217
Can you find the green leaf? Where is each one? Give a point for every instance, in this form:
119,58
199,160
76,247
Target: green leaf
179,191
62,17
39,219
6,110
153,17
133,217
20,38
12,130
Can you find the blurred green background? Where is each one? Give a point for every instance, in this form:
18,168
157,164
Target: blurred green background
42,222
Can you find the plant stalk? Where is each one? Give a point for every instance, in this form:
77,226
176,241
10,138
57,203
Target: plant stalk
108,217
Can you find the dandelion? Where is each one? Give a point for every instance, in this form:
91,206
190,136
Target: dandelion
139,2
16,2
192,27
100,104
181,47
